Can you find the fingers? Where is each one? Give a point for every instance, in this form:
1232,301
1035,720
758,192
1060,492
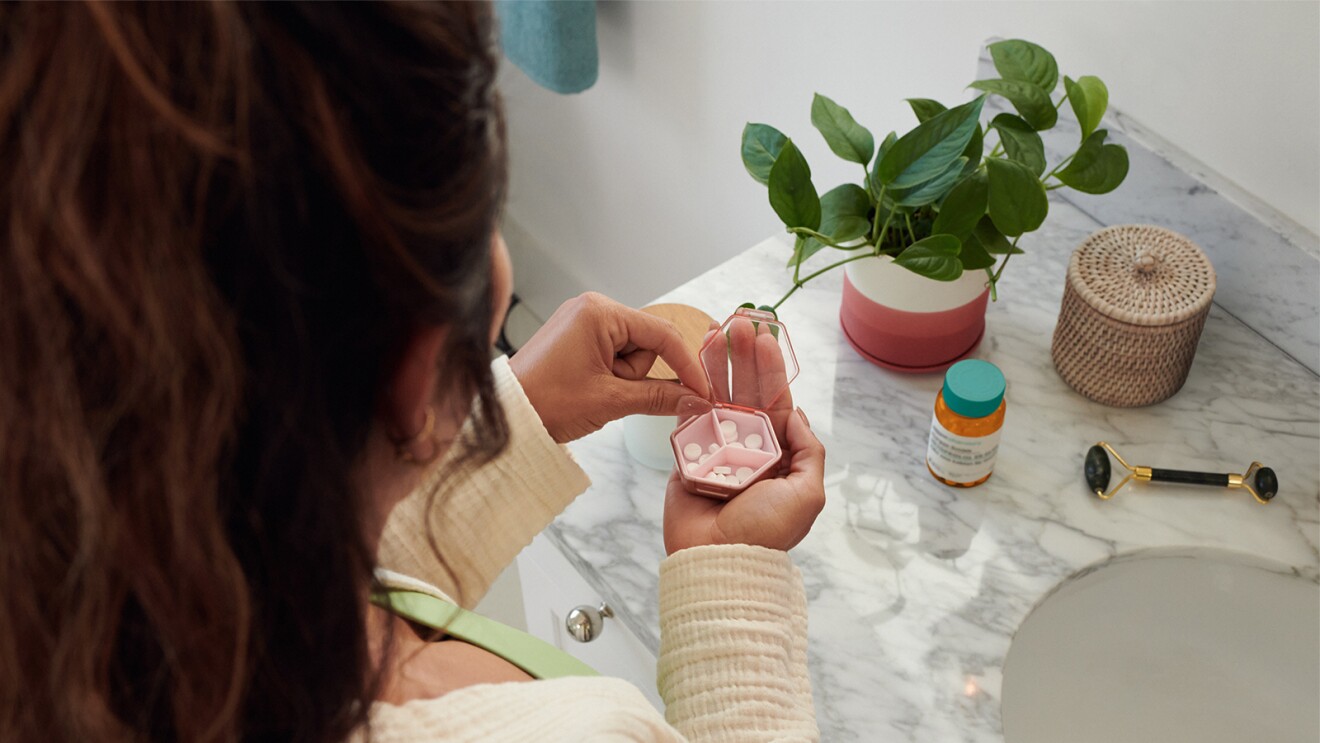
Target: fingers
808,454
651,334
715,355
690,406
633,365
742,357
652,397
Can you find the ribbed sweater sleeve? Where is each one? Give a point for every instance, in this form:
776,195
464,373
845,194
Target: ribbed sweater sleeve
733,646
480,519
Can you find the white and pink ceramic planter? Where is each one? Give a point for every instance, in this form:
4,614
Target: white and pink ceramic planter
909,323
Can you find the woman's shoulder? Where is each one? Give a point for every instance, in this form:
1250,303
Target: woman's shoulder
570,708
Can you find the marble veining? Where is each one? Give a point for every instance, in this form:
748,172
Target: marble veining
915,589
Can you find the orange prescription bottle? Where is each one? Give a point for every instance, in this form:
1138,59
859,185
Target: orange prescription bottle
964,433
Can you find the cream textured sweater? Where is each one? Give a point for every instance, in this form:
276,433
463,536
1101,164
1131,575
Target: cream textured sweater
733,619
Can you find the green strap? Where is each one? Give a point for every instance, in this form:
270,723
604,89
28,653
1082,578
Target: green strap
538,658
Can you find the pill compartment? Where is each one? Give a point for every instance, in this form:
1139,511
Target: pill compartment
749,364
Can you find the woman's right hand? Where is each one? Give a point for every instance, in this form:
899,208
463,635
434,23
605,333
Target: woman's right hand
775,513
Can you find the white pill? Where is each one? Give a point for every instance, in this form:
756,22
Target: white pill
753,441
703,459
743,473
723,470
692,451
713,448
729,429
691,466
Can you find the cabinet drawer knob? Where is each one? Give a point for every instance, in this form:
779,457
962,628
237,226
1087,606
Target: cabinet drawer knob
585,623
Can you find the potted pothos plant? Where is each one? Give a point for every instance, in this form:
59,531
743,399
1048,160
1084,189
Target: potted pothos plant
939,211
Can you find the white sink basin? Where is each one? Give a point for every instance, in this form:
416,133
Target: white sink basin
1169,645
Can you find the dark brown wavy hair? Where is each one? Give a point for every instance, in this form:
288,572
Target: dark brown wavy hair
219,224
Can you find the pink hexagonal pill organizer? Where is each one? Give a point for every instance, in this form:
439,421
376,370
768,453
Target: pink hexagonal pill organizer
749,363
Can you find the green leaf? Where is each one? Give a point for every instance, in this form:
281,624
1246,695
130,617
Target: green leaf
932,190
926,151
1017,202
1025,62
963,207
974,151
988,237
1021,142
880,151
926,109
843,212
1097,167
1030,101
974,255
809,247
848,139
761,144
1089,99
792,194
935,257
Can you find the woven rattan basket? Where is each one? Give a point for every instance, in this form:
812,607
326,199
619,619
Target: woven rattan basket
1133,308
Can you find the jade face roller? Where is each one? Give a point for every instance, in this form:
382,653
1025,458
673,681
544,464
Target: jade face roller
1259,480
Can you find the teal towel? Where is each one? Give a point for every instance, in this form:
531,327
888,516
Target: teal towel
553,41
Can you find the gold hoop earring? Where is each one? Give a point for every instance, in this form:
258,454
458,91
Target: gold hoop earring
403,449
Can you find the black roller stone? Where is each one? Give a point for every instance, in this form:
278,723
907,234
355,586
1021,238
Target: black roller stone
1267,484
1096,470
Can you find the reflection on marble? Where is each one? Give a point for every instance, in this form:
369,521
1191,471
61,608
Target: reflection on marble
915,589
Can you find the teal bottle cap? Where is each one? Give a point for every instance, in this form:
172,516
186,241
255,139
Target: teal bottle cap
973,388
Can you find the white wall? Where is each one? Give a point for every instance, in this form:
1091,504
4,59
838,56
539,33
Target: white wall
636,185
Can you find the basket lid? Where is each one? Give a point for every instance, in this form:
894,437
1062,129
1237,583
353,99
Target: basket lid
749,361
1142,274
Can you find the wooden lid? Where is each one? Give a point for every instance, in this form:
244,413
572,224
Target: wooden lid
692,324
1143,275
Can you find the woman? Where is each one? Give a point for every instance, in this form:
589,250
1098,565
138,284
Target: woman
249,281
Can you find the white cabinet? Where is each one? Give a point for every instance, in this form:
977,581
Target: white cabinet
550,589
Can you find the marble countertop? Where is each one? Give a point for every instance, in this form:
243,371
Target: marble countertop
915,589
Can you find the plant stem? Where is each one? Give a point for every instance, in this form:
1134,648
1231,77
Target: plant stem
994,277
1000,272
911,233
797,283
875,223
1062,164
808,232
798,245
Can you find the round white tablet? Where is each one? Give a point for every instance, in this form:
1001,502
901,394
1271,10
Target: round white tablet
703,459
692,451
729,429
743,473
713,448
753,441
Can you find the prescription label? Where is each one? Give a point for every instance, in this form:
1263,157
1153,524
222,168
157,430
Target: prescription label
960,458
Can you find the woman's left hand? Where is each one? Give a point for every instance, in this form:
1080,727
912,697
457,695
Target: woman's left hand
587,366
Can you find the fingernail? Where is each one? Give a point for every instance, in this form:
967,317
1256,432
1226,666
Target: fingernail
693,405
805,419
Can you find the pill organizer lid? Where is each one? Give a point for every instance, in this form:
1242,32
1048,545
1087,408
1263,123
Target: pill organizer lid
1143,275
750,361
